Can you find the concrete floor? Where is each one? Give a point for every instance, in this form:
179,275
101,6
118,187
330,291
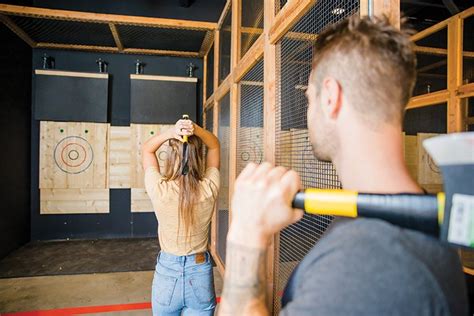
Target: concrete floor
85,290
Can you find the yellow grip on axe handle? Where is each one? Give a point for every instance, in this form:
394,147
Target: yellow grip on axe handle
185,137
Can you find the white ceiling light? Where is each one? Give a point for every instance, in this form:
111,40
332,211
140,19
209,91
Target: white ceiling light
338,11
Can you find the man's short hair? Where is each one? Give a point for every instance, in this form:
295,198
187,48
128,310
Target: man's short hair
374,63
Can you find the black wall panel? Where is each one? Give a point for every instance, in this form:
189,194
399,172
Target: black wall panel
67,98
120,222
15,115
160,101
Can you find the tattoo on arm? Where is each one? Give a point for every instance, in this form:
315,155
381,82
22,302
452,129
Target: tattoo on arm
244,283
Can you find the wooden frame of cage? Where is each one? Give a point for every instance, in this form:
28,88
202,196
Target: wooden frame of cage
278,25
112,20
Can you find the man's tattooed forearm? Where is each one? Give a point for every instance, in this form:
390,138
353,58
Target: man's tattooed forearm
244,282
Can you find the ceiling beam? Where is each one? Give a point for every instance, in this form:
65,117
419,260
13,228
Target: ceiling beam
17,30
116,36
105,18
206,43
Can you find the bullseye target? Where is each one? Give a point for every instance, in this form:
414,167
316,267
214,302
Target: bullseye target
252,153
73,154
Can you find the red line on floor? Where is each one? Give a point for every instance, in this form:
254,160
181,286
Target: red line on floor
87,310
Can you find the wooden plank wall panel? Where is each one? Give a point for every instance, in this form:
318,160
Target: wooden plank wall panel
73,155
119,157
74,201
420,165
140,133
141,203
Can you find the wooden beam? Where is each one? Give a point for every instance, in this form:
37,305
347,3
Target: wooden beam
455,112
204,80
430,30
428,99
466,91
234,96
17,30
288,16
235,38
91,48
105,18
116,36
217,258
253,55
270,74
206,43
439,51
62,73
432,66
223,88
216,60
223,14
234,123
251,83
142,51
108,49
214,222
467,13
209,102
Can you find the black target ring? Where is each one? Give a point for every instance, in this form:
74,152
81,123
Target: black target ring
73,154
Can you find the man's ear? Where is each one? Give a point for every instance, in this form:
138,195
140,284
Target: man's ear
331,97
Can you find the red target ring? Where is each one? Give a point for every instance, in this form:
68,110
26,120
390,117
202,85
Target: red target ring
73,154
65,152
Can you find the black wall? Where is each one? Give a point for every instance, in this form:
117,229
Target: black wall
120,222
15,102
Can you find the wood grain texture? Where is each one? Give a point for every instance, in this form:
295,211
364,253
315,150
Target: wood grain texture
141,203
73,155
119,157
139,134
74,201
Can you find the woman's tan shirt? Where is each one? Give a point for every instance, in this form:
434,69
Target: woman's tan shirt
164,196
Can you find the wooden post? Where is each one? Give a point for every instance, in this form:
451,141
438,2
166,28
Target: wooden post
455,112
269,118
234,97
390,8
215,126
216,59
204,83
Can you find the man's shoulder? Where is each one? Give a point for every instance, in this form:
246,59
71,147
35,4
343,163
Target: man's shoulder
373,261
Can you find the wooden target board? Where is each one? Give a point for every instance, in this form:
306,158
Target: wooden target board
73,155
119,157
250,148
140,201
139,134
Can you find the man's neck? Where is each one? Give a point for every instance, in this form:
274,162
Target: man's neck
372,161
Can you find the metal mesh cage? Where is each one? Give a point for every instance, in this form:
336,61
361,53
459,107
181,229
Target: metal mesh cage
420,124
210,119
250,127
210,72
428,119
223,199
293,148
252,23
432,69
134,36
65,32
225,46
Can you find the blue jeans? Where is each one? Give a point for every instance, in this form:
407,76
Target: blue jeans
182,285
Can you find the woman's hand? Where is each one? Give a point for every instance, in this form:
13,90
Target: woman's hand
183,128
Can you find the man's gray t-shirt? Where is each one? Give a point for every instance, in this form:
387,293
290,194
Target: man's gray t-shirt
370,267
